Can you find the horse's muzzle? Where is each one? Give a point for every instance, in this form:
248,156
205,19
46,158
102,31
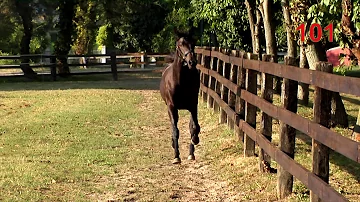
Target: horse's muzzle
192,64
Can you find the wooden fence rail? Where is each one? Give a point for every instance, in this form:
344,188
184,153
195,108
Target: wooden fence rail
111,60
243,115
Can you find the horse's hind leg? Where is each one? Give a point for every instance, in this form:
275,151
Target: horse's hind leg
194,128
174,117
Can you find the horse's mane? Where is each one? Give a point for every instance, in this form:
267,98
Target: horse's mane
170,58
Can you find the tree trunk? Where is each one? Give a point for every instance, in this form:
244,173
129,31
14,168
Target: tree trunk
338,113
250,7
291,43
348,28
315,53
213,39
257,34
25,12
254,14
270,40
303,90
356,134
64,40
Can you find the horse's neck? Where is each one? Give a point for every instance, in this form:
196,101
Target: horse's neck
177,65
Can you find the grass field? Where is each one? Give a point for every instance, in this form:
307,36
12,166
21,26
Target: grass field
88,138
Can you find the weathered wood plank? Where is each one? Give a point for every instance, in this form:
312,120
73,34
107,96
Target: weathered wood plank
348,85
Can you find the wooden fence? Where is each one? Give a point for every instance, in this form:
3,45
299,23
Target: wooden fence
229,85
109,60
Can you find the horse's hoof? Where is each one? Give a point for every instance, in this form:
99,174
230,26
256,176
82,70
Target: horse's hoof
191,157
195,140
176,161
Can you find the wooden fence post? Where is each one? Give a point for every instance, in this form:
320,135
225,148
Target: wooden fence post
356,133
142,59
232,96
266,120
250,110
287,133
219,67
240,103
202,75
224,90
201,59
206,62
113,66
53,67
212,80
322,116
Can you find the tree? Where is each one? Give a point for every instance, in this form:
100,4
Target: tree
350,30
322,13
294,15
255,23
131,25
65,35
25,10
350,25
291,40
269,27
11,28
227,20
145,19
85,26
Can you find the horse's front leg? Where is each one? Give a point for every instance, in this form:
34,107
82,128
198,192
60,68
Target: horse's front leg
174,117
194,128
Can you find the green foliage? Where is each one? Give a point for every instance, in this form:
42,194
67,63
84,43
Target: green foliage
102,35
227,19
40,41
66,27
85,26
327,11
11,30
164,41
131,25
280,28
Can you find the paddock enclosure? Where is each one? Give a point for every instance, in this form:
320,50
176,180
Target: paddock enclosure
85,64
229,86
104,135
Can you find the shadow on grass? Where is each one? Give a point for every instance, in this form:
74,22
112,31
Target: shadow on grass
129,81
343,162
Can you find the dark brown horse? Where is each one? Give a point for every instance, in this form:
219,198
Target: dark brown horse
179,88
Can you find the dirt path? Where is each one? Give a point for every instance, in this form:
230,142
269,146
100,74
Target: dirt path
190,181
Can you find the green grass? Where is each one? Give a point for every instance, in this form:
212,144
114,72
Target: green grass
87,138
52,138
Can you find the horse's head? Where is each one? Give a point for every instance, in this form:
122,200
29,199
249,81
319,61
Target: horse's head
185,45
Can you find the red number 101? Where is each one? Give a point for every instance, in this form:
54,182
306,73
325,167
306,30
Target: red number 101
316,38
